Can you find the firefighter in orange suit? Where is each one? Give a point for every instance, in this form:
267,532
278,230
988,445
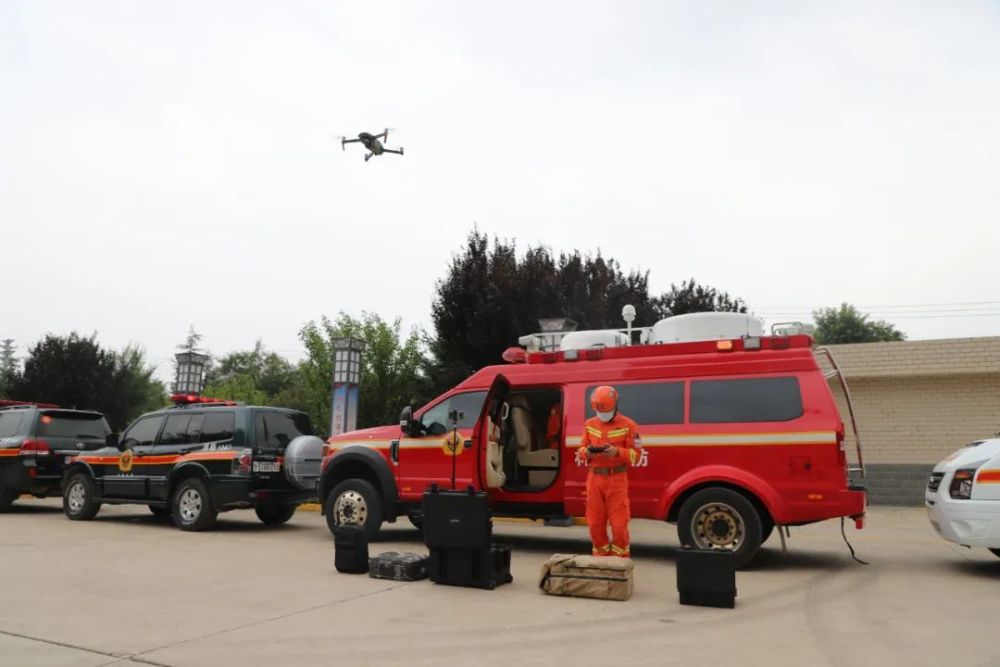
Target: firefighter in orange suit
607,478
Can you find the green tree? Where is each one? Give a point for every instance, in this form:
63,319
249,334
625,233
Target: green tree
75,372
848,325
8,364
258,377
491,295
690,297
390,372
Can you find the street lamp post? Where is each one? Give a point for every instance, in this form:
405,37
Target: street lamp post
346,384
190,377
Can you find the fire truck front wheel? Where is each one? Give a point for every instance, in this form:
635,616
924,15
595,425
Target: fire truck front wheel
354,502
720,518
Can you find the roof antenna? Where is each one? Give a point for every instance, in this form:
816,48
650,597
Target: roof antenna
628,314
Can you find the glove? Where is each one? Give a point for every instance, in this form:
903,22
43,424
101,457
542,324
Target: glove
611,451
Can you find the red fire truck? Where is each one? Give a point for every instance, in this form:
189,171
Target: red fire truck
739,434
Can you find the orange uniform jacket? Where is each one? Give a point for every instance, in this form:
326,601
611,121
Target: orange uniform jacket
621,432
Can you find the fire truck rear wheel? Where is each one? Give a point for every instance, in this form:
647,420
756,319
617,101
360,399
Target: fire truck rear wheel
720,518
995,552
78,499
354,502
275,515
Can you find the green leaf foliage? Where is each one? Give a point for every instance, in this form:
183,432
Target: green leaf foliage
848,325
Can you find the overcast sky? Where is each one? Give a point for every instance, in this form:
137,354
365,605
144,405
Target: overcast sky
166,164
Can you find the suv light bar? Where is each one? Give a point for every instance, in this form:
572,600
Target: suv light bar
191,399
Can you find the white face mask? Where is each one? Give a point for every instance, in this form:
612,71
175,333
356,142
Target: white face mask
606,416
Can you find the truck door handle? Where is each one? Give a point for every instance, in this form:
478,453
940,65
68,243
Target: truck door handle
394,451
467,443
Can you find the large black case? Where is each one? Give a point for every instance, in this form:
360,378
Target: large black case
478,568
398,567
351,549
706,578
457,519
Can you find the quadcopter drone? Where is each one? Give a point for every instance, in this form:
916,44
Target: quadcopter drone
372,143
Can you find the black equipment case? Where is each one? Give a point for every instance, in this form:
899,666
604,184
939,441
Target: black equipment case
397,566
351,549
706,578
458,531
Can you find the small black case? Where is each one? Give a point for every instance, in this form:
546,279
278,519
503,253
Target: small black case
706,577
350,549
398,566
457,519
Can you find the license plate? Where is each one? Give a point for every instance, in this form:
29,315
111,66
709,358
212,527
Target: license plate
266,466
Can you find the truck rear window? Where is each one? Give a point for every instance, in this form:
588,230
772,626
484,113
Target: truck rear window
653,403
773,399
80,425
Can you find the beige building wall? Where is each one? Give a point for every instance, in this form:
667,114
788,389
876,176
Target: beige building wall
915,403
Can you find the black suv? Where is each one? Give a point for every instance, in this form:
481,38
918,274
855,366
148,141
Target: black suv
36,442
200,458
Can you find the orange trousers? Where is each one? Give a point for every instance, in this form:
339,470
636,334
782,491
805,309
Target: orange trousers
607,502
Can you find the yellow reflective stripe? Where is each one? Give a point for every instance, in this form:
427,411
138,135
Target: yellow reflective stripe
633,456
619,550
594,431
617,432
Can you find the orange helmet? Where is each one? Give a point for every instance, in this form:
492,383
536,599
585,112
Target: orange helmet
604,400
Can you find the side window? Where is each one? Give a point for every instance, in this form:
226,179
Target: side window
10,423
175,430
194,427
259,432
654,403
283,427
144,431
435,420
750,400
218,426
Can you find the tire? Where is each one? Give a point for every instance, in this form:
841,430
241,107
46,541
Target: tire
995,552
357,502
191,506
720,518
78,498
7,498
275,515
766,528
160,512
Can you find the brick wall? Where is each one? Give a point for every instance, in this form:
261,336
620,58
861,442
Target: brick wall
916,402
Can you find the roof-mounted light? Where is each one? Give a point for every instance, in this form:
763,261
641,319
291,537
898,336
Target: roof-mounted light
194,399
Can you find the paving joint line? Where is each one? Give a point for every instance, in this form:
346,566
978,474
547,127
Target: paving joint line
118,657
266,620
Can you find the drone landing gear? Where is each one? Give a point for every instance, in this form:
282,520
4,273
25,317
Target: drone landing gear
368,156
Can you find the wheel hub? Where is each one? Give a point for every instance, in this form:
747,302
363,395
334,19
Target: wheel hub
76,497
189,505
718,526
351,509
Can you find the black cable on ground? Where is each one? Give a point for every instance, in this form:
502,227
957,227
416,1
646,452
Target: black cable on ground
844,533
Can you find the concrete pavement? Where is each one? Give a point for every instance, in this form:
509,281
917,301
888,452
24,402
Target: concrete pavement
128,589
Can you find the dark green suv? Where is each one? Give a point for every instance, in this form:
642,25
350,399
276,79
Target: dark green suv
197,459
36,442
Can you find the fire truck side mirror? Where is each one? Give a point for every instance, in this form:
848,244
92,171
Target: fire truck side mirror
406,423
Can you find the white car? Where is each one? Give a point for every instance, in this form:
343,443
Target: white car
963,496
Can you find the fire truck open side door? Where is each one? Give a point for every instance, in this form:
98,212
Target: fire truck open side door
486,436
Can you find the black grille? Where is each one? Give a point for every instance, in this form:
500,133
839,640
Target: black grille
935,481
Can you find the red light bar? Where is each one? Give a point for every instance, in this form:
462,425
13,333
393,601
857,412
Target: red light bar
9,404
515,355
190,399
